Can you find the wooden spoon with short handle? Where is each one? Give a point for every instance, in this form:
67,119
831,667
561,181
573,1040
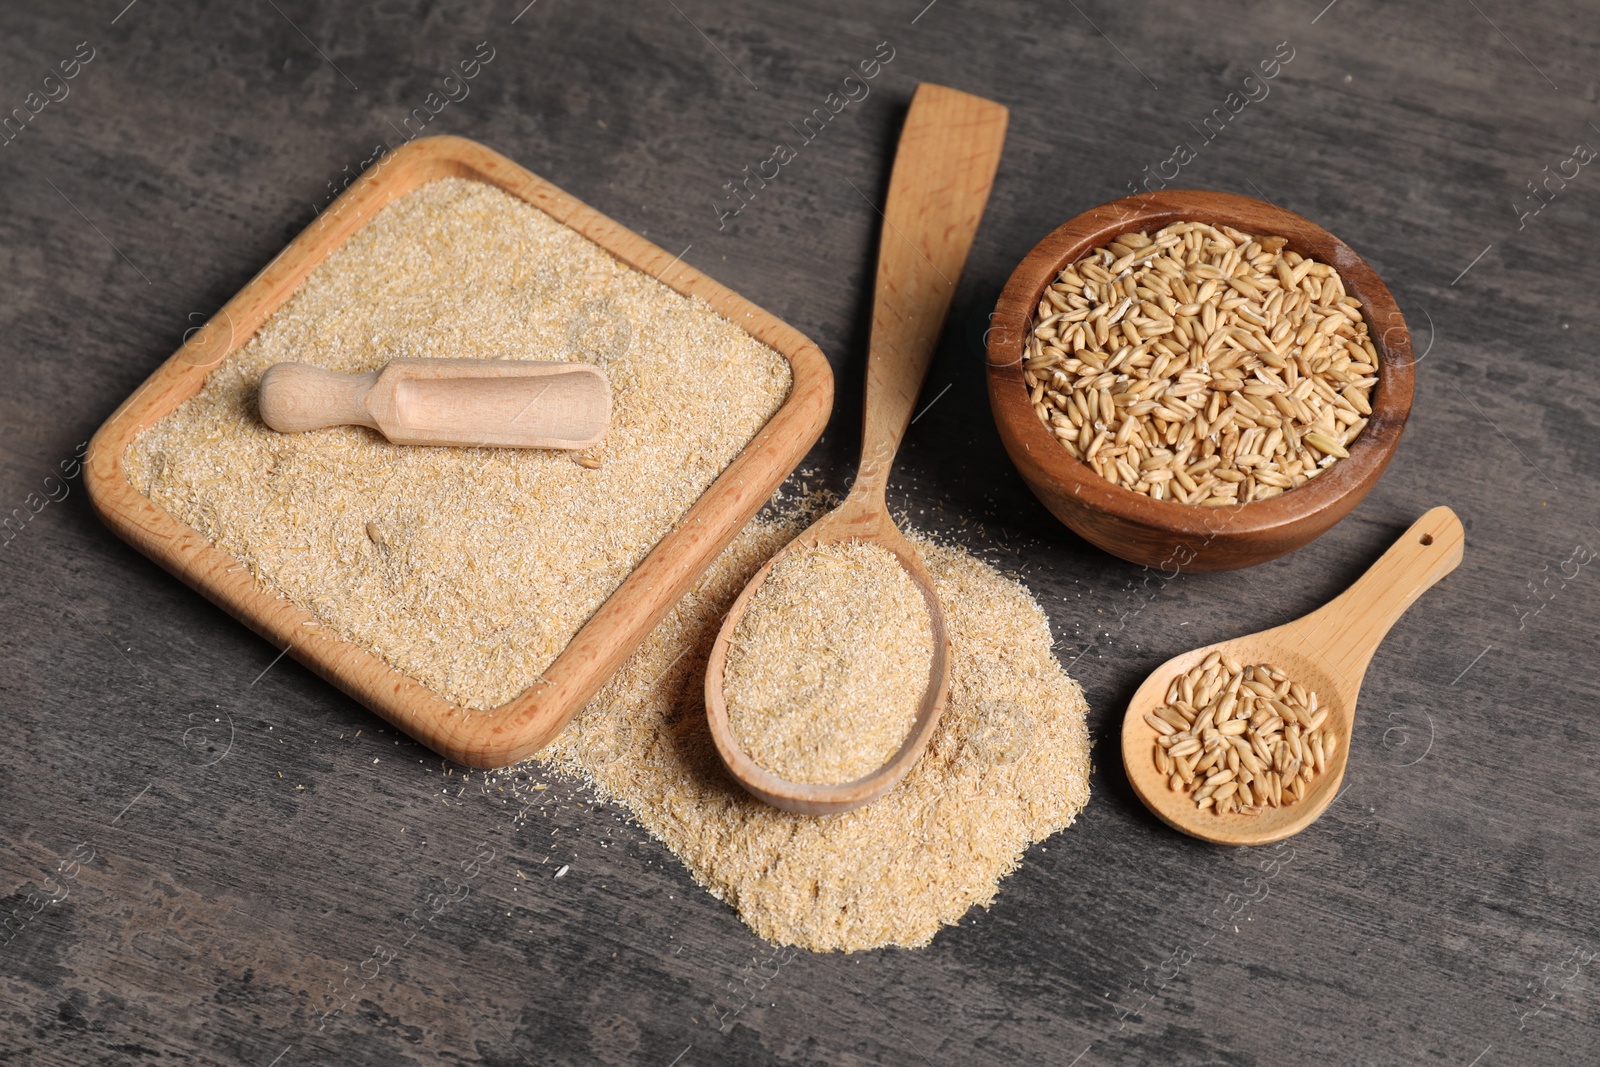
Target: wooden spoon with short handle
474,403
1326,651
943,169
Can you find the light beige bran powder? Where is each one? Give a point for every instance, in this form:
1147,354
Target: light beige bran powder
467,569
829,664
1007,766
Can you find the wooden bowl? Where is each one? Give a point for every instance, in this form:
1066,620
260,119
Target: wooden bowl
1160,533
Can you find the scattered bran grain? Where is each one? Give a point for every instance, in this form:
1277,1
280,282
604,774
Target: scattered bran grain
1007,766
470,569
467,569
828,666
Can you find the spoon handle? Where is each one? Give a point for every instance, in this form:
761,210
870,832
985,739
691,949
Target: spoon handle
296,397
943,169
1348,630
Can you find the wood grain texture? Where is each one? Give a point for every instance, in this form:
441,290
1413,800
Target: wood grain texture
523,725
944,167
1161,533
1440,912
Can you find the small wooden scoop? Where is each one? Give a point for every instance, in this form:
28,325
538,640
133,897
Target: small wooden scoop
506,403
1326,651
949,150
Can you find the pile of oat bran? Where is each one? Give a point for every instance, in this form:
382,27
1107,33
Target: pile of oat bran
470,569
1008,766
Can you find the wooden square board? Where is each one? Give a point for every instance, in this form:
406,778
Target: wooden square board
514,730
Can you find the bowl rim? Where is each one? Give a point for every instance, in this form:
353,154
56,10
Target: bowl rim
1011,322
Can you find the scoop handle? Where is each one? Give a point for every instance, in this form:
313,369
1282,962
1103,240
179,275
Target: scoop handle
1349,628
295,397
943,170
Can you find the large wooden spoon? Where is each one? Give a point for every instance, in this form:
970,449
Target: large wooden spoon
949,150
1326,651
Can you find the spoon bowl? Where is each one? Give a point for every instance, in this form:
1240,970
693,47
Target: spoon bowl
855,520
1271,824
943,170
1327,652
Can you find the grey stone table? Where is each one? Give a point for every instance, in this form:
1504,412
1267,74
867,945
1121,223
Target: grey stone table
201,845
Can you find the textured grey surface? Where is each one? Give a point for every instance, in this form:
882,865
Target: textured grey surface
236,862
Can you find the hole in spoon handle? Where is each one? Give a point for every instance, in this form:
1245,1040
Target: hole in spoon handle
1351,626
